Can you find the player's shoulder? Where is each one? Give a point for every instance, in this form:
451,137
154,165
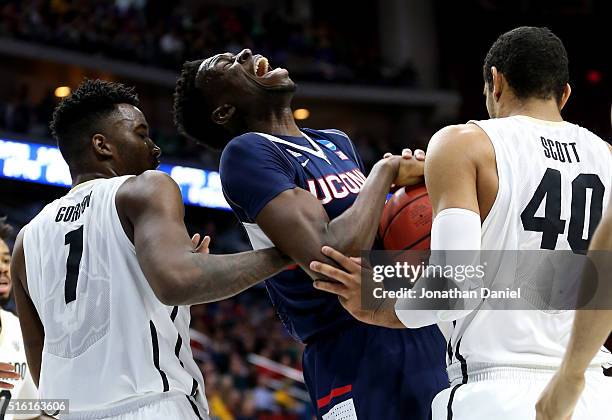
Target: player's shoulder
150,185
460,141
249,149
459,136
247,145
336,136
247,140
150,179
330,132
460,133
333,139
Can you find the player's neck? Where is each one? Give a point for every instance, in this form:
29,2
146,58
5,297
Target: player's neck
91,175
540,109
279,123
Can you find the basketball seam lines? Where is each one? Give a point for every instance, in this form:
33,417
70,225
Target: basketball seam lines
417,242
398,212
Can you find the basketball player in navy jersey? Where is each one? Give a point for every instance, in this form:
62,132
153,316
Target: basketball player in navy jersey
297,189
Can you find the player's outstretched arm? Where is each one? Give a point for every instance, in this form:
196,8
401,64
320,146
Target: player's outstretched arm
296,222
151,208
590,331
31,327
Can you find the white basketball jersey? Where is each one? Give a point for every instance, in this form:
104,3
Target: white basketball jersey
543,166
108,339
12,351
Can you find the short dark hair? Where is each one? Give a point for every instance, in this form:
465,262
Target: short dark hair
77,116
533,61
5,229
192,110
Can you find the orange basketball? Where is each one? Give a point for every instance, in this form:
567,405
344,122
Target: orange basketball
406,220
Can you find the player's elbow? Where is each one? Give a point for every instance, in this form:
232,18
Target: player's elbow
349,243
176,295
170,296
170,289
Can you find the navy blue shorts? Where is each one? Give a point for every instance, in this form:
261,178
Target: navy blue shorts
376,373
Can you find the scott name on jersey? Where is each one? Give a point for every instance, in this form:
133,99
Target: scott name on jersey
559,151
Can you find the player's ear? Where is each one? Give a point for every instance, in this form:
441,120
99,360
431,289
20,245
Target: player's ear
222,114
498,83
567,91
101,145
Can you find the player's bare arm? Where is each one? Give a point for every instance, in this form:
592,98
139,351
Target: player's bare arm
460,168
298,225
152,212
590,330
31,327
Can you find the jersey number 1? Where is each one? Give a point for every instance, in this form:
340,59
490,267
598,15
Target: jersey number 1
551,225
75,240
5,397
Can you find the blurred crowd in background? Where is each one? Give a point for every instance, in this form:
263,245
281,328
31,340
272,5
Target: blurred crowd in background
237,389
165,34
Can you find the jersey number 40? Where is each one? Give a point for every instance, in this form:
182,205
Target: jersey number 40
551,225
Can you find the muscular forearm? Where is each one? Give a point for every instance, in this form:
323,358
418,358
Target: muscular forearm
591,329
211,278
355,229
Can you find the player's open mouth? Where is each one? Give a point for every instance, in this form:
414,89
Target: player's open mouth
264,73
261,67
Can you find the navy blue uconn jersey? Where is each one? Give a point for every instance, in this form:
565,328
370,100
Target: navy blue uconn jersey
255,168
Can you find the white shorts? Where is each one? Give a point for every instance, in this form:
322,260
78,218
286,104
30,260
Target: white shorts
167,406
512,393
